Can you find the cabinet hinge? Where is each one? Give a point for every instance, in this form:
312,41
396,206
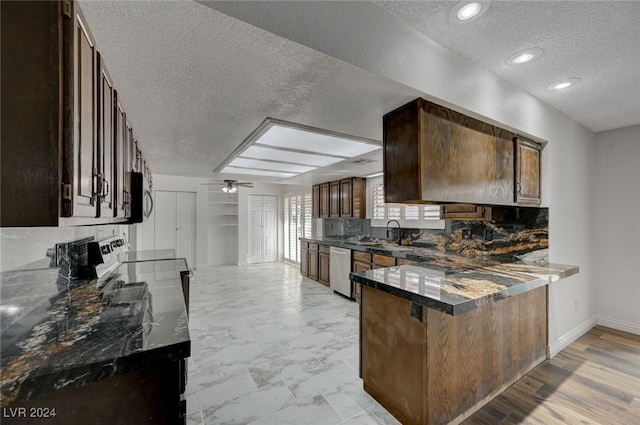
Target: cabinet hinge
66,8
66,192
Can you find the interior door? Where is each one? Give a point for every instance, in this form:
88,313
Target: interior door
263,229
175,223
166,220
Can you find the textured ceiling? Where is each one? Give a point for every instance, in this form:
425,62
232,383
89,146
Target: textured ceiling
197,82
596,41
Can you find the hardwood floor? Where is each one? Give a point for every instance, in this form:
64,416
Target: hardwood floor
596,380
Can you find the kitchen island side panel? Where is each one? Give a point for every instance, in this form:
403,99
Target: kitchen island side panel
442,368
393,355
475,356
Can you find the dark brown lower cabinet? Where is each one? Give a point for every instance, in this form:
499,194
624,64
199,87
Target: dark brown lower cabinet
304,259
313,261
149,396
323,265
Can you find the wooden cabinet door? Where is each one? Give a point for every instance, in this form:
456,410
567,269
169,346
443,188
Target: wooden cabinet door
85,156
315,201
334,199
121,188
324,200
355,287
346,200
527,172
313,265
106,140
323,268
304,262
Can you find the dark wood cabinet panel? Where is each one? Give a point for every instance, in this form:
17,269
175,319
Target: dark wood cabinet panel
86,182
323,268
527,172
324,200
122,188
315,201
29,141
304,262
353,197
60,122
313,265
106,139
334,199
380,261
433,154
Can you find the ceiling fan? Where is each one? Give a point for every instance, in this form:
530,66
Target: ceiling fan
231,186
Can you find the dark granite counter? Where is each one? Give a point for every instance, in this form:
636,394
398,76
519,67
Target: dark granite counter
464,290
448,282
73,332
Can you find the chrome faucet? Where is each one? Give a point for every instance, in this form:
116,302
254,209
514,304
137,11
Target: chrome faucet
399,234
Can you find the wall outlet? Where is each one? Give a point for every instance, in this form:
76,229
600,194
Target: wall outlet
466,234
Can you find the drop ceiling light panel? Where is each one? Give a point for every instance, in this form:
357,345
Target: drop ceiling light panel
267,165
283,151
235,170
291,138
258,152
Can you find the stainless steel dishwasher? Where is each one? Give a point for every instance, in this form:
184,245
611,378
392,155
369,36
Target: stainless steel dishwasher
339,269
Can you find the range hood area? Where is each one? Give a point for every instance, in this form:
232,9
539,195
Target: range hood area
434,155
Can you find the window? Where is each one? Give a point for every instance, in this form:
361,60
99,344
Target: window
297,224
410,216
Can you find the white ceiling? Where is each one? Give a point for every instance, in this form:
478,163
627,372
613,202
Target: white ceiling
596,41
197,82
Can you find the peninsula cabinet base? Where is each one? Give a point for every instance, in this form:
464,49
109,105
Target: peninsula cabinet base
149,396
442,368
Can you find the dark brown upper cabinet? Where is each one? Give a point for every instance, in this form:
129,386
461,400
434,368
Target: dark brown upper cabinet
324,200
60,120
344,198
107,111
433,154
315,201
353,197
334,199
527,172
122,189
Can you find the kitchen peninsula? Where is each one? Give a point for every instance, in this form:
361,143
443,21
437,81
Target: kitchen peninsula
437,345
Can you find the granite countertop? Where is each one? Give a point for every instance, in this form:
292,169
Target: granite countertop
447,282
430,257
464,290
81,331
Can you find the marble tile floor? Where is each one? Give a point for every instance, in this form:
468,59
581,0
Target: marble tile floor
272,347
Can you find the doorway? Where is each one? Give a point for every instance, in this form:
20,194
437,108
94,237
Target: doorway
175,223
263,229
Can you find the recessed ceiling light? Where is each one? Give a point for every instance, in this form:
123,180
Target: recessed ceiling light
563,84
524,56
468,11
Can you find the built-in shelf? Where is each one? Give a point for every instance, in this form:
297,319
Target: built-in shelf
223,227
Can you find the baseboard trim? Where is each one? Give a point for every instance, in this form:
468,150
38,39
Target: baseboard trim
620,325
565,340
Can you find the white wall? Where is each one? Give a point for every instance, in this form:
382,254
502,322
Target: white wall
616,243
23,245
146,230
243,217
366,36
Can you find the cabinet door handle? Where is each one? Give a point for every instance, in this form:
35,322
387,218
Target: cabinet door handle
97,189
518,187
105,186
